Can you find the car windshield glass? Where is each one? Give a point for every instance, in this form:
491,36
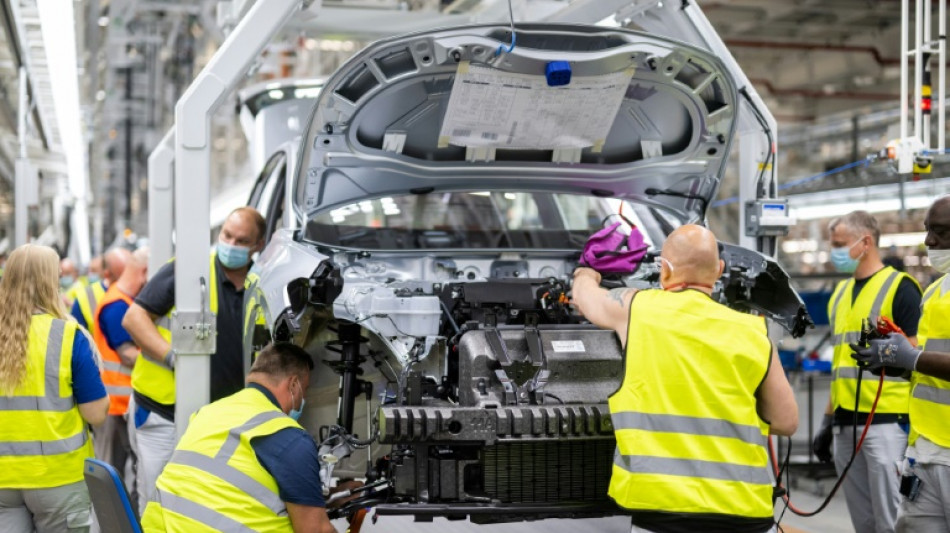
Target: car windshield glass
494,219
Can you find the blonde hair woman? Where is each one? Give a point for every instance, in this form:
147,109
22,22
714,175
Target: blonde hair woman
49,389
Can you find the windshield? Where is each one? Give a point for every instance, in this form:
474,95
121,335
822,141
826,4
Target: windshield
532,220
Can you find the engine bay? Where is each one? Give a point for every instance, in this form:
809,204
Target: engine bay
486,393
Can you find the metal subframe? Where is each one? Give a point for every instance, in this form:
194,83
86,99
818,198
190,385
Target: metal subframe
190,339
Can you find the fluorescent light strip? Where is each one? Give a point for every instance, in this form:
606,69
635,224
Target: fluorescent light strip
812,212
57,25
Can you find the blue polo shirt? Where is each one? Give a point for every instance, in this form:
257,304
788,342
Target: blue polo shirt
110,323
87,383
298,481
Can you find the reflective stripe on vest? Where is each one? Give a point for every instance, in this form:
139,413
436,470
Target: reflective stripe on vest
88,298
851,372
930,396
692,468
112,366
153,379
43,438
689,425
199,513
670,435
845,315
214,477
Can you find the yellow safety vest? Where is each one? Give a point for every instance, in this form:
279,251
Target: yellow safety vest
930,397
154,380
876,299
43,438
689,439
72,292
89,298
253,310
214,481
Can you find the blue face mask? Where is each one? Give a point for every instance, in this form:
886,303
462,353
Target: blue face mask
66,282
842,260
233,256
93,278
295,413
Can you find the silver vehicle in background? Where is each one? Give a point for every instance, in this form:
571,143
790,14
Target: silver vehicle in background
442,199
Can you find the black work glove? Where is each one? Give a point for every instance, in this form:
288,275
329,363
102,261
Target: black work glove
821,445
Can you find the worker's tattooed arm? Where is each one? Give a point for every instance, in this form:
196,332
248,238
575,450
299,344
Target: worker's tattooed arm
603,308
620,296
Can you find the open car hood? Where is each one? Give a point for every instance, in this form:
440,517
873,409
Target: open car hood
643,118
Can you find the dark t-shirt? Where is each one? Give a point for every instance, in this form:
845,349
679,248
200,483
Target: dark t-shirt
227,363
906,314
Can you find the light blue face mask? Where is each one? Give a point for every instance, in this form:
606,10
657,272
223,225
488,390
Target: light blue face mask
233,256
66,282
94,278
842,260
295,413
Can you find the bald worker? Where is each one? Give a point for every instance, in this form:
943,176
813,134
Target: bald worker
87,300
702,390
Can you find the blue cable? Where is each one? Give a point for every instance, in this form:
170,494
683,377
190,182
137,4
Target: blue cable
501,47
795,183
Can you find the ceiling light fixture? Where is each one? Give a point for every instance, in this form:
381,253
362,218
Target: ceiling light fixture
59,41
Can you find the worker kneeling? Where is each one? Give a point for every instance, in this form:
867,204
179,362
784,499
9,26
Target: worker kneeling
702,389
244,463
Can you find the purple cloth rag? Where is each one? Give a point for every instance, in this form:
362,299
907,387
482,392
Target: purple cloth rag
610,251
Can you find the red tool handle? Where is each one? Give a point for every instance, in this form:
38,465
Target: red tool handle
886,325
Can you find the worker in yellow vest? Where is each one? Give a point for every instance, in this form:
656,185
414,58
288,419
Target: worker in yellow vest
102,273
925,506
702,390
244,463
873,290
70,283
119,354
148,321
49,390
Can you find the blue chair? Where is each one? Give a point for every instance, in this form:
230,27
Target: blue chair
110,500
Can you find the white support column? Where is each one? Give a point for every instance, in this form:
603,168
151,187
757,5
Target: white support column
918,67
193,329
905,60
21,213
927,45
753,151
942,76
161,173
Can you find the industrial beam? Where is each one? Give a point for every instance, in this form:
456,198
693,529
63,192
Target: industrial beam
193,327
161,173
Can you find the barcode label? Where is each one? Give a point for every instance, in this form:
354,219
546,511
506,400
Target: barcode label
490,136
461,133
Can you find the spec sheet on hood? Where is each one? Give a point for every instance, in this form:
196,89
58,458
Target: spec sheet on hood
489,108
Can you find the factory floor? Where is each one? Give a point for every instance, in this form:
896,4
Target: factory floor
834,519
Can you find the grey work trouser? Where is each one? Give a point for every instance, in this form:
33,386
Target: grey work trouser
930,512
152,443
64,509
872,484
